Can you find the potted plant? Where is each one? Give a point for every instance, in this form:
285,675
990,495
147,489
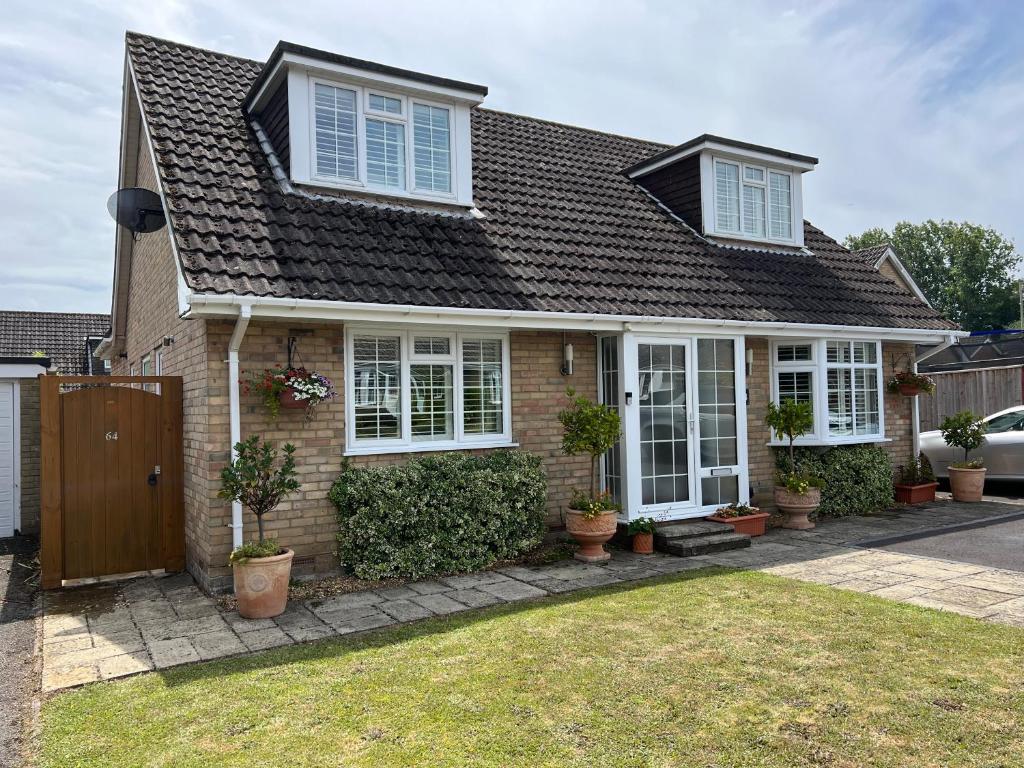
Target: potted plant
590,429
743,518
797,494
915,482
967,477
262,569
642,531
910,384
290,388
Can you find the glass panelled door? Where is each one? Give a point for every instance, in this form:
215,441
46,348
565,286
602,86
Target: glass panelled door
666,468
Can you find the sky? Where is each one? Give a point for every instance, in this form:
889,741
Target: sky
914,109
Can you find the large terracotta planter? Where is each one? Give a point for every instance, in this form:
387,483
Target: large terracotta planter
967,484
591,533
643,543
752,525
261,585
287,400
797,506
915,494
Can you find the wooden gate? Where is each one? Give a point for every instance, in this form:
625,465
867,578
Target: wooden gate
111,476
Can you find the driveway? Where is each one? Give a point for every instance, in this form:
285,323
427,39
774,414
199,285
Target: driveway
997,543
17,638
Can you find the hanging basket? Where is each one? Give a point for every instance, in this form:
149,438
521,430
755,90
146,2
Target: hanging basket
287,400
909,390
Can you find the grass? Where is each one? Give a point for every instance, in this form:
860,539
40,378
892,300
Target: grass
711,668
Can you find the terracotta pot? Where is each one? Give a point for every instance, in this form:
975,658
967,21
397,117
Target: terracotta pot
909,390
915,494
261,585
643,543
287,400
591,533
967,484
752,525
797,506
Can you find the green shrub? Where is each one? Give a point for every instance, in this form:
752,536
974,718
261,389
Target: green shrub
855,479
439,514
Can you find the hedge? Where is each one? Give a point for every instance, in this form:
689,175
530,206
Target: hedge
855,479
440,514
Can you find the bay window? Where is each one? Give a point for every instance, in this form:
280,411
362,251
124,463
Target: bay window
410,390
753,201
841,380
380,141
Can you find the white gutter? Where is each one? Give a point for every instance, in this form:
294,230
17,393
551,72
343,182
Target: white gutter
235,411
224,305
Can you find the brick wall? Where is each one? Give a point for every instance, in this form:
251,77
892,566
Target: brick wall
306,521
30,438
152,314
898,415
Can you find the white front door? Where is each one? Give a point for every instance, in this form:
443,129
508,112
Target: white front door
666,426
8,463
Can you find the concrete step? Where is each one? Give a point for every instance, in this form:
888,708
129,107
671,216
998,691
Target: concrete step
688,530
704,545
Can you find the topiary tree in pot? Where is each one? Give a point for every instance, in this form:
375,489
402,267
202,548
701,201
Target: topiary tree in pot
798,493
591,429
967,477
262,568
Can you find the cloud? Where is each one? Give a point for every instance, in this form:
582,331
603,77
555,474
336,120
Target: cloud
913,108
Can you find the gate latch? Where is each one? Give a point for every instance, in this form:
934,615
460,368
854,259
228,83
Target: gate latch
156,473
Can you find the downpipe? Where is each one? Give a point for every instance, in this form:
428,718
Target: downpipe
235,410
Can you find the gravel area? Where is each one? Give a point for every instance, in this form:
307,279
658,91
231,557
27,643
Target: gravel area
18,683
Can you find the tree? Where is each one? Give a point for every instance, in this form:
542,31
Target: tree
965,270
788,421
252,479
591,429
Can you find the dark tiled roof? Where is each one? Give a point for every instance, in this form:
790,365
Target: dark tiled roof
871,255
564,230
60,335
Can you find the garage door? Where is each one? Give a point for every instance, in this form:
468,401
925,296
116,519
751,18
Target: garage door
7,464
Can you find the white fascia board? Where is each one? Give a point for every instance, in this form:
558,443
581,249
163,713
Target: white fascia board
21,370
893,259
365,77
182,286
726,150
313,310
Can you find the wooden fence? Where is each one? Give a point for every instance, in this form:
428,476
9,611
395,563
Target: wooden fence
981,391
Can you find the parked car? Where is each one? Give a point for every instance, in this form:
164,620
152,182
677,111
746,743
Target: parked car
1002,452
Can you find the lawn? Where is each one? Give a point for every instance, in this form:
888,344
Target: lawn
711,668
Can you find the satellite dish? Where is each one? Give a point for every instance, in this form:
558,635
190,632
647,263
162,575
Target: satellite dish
137,209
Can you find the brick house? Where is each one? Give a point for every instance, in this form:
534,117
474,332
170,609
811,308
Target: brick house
453,269
34,344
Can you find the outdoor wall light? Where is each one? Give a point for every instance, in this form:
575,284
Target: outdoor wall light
567,357
750,361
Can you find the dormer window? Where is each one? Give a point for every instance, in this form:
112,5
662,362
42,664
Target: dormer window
368,145
730,189
354,126
759,205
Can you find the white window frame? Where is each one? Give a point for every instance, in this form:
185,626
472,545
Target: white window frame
742,166
146,360
818,366
361,182
404,443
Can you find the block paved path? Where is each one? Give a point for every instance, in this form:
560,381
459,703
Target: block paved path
107,631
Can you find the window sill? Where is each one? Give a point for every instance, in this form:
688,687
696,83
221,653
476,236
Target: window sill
399,196
830,442
380,450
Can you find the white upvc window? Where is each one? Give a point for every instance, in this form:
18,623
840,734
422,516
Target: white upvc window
380,141
753,201
424,389
146,365
842,380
